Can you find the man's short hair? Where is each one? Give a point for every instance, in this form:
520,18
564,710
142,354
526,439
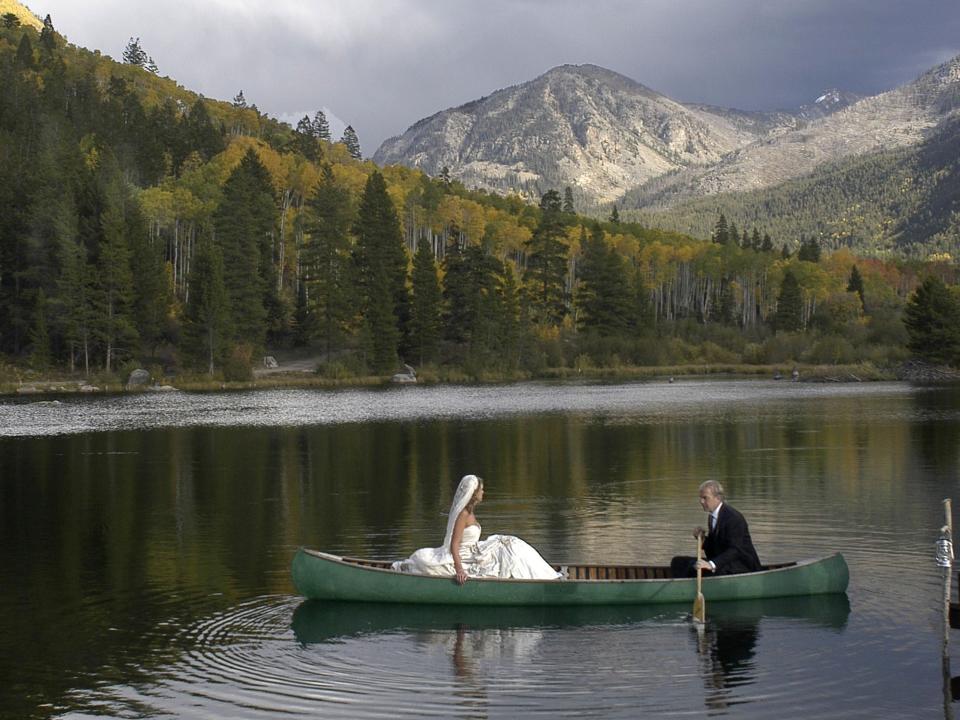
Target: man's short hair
714,487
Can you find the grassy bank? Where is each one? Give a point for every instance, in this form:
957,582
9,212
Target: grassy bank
19,381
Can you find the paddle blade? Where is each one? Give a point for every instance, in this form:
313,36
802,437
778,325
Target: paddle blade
699,609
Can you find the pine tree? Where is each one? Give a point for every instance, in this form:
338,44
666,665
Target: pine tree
475,311
305,141
326,260
457,308
114,290
767,245
546,272
25,59
568,200
721,233
932,319
199,132
733,235
603,296
74,298
321,128
425,304
381,264
9,21
352,143
789,316
154,297
615,215
48,36
855,284
809,250
133,54
205,330
244,223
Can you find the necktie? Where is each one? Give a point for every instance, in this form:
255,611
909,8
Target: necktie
713,522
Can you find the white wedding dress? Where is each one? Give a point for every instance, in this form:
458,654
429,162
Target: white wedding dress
499,556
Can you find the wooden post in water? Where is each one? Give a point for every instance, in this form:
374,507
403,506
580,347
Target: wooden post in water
947,563
945,560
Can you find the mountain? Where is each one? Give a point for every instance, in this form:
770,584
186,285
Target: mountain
608,136
903,201
899,118
584,126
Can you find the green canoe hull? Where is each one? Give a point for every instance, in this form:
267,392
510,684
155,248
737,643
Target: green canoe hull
322,576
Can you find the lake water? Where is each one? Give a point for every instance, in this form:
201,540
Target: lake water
145,545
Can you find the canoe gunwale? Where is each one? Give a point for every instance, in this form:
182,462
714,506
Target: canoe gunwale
382,566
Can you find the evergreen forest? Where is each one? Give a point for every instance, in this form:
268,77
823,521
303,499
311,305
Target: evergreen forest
142,225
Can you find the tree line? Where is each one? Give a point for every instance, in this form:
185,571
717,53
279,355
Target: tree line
143,223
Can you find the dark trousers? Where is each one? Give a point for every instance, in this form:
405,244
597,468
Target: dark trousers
683,566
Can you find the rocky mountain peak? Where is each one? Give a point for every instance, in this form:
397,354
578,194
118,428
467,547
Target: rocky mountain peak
578,125
604,134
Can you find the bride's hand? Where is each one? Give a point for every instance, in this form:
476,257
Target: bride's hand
461,576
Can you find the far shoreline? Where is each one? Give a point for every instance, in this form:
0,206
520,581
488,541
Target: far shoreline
35,383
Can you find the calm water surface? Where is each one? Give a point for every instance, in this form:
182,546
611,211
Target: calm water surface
145,544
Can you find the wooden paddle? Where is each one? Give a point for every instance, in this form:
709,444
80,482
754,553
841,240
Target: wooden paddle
699,606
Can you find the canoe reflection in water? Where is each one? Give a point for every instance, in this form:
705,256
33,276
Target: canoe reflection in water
472,636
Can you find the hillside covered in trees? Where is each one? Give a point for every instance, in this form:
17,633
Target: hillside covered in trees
895,203
143,224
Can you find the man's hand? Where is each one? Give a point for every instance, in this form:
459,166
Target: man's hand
704,565
699,532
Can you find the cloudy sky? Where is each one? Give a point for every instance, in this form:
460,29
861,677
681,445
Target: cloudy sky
381,65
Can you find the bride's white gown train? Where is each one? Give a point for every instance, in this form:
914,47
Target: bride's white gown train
499,556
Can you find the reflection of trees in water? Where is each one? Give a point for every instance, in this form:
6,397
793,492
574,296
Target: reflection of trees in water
936,433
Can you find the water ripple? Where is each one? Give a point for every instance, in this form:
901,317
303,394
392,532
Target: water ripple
636,402
279,656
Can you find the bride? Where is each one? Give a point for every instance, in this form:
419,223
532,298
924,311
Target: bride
463,554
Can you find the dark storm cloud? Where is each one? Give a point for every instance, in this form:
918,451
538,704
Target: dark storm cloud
381,65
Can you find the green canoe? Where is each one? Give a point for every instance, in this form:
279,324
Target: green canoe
323,576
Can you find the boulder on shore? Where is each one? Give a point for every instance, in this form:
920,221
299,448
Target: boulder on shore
409,375
138,378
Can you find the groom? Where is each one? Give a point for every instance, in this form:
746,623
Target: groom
728,548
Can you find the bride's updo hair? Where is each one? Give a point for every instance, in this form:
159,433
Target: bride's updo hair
475,499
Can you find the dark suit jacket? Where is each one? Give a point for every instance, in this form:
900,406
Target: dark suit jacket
729,546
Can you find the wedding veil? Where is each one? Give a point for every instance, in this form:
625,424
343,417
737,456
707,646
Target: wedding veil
465,490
